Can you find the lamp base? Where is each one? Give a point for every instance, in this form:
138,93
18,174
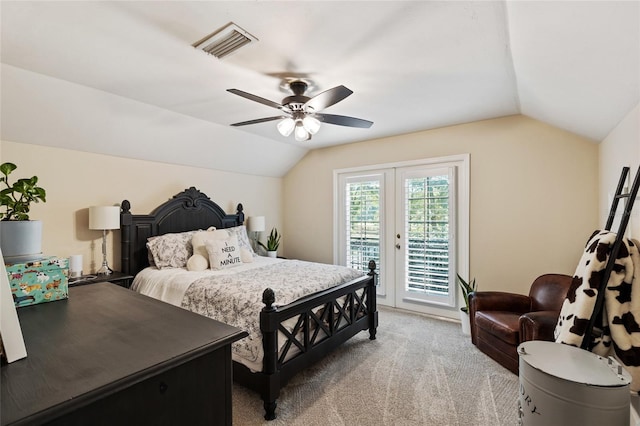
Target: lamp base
254,240
104,270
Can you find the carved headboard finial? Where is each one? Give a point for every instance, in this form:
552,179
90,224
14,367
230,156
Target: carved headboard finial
125,207
240,212
191,197
192,192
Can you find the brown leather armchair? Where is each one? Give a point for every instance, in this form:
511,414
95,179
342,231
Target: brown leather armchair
500,321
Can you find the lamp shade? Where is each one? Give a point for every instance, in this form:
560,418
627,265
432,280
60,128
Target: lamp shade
256,224
300,133
285,127
311,124
104,217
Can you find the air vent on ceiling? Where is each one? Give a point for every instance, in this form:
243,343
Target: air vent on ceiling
224,41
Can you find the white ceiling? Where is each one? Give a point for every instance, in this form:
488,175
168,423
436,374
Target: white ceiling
122,78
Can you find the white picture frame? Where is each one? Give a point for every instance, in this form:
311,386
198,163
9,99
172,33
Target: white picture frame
11,338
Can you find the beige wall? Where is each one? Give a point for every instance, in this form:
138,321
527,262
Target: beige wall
620,148
533,203
534,194
76,180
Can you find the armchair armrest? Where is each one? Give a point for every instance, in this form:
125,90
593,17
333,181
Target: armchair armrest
498,301
495,301
538,325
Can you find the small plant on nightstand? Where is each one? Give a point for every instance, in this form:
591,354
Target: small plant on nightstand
273,242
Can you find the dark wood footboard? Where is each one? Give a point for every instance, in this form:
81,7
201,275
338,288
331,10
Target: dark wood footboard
311,327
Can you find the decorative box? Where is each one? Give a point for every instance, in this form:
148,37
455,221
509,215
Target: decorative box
37,281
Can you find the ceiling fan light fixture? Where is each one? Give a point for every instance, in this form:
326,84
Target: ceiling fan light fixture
301,133
311,124
300,110
286,126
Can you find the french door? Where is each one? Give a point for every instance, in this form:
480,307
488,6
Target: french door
412,219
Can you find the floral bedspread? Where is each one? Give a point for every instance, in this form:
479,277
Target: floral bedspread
237,299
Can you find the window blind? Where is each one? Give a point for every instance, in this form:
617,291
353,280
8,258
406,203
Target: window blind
363,223
427,230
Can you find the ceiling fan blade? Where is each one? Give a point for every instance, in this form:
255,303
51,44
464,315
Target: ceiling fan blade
259,120
327,98
343,120
255,98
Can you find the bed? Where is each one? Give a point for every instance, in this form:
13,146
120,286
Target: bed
292,336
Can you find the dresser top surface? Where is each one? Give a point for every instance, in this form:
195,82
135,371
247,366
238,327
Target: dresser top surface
104,337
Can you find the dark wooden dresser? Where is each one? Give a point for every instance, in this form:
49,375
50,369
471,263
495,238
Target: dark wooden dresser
110,356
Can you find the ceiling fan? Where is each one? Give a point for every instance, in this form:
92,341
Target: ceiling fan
300,113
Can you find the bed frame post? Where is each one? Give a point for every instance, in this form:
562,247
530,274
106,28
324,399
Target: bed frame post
240,214
371,300
269,329
125,236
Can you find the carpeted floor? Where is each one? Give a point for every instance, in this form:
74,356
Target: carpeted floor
419,371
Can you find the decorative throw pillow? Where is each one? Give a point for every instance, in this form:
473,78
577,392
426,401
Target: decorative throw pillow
246,255
171,250
241,233
150,257
198,239
224,253
197,263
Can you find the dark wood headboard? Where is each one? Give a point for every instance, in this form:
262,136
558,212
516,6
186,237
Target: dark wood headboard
186,211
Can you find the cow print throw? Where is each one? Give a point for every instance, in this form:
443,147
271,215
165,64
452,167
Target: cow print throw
620,317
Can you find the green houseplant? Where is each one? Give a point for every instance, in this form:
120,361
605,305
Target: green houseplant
19,236
273,242
16,198
467,288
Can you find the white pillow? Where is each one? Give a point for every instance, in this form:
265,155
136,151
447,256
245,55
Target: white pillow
246,255
197,263
224,254
199,238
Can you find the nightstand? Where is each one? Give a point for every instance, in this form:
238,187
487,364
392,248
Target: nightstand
119,278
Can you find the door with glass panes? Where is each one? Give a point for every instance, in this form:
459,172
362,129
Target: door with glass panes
404,218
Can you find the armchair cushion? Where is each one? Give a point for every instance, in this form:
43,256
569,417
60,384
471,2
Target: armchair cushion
502,325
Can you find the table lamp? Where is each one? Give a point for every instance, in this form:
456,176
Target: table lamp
256,225
104,218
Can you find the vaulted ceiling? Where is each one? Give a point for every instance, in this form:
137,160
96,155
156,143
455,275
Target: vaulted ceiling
122,78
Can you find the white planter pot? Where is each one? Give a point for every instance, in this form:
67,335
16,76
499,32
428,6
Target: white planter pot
21,238
272,254
464,320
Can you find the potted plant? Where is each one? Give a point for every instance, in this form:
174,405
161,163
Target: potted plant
273,242
467,288
19,235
